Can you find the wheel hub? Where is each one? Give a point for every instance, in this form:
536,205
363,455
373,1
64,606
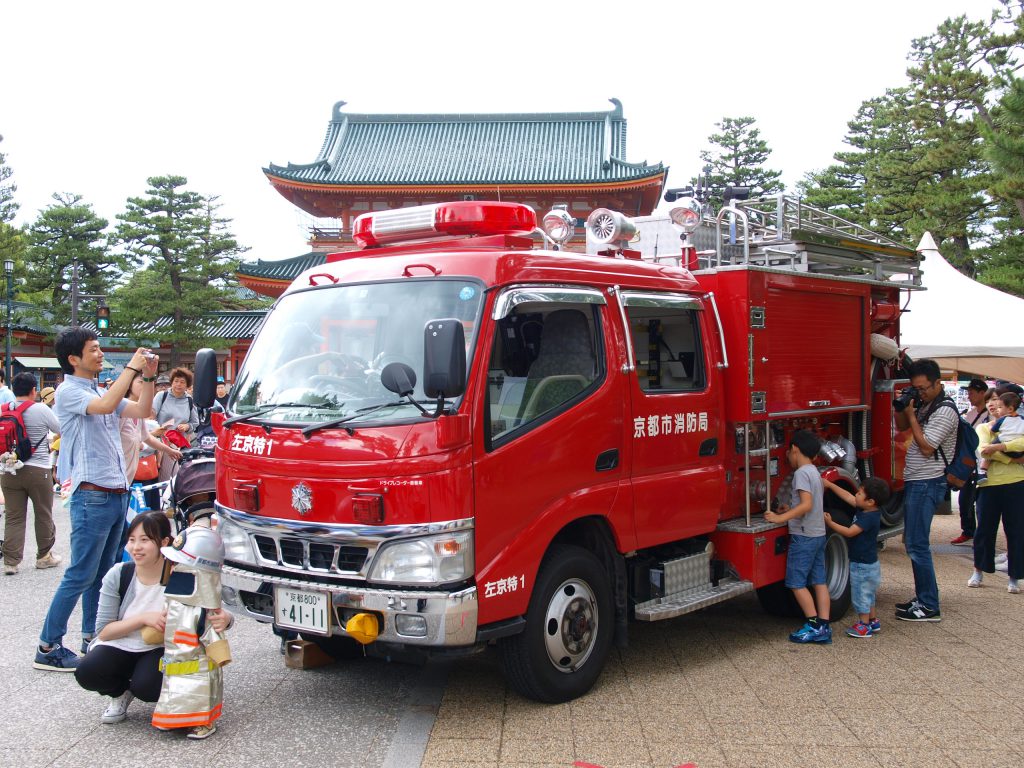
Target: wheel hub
570,625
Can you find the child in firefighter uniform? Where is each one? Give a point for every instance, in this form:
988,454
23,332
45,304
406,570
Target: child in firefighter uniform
194,650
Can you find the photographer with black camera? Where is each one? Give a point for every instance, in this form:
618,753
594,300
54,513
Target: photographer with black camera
917,408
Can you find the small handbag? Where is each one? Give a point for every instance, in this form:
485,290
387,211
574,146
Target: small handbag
149,467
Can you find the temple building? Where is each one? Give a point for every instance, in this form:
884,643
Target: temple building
373,162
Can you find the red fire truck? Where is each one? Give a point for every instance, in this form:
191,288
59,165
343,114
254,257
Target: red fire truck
452,438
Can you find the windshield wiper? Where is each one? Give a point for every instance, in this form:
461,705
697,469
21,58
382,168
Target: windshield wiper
307,431
273,407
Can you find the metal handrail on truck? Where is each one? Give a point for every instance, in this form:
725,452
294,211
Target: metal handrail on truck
781,231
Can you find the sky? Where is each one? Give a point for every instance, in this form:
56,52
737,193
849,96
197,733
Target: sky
96,97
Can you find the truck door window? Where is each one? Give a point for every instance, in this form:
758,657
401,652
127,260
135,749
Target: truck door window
546,358
667,344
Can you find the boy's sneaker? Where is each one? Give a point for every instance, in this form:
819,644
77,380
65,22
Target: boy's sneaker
918,612
117,709
49,560
962,539
809,633
876,626
57,659
975,580
860,629
202,731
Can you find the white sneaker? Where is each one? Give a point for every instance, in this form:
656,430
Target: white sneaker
1002,557
1013,587
975,580
117,709
1003,566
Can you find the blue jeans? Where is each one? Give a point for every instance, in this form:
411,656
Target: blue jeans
920,500
864,581
97,519
805,561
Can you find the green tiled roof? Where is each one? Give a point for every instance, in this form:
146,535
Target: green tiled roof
225,325
282,269
475,149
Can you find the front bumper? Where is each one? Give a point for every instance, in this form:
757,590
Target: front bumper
450,617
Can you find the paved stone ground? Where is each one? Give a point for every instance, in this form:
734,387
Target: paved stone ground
342,715
724,687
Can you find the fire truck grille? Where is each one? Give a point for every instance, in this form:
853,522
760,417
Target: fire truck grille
351,558
320,556
267,547
291,552
313,556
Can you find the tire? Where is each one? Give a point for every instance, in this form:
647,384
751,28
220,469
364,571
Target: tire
892,510
337,646
837,574
777,599
569,627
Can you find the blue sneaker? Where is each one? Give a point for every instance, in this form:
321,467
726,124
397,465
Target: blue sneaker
57,659
876,626
860,629
810,634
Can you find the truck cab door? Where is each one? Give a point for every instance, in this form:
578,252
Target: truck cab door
552,438
675,424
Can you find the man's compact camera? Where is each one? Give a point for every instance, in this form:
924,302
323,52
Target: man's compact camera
906,398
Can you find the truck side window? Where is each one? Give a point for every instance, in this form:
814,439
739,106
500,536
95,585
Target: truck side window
546,357
667,346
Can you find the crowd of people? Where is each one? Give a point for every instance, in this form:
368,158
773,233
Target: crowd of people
102,429
101,426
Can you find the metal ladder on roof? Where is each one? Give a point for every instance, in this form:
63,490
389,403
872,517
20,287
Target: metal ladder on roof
783,232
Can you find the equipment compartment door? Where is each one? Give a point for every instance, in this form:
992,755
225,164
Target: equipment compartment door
816,350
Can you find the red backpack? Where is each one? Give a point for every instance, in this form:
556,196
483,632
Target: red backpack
13,437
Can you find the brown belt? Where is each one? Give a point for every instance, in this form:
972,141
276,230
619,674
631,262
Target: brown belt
94,487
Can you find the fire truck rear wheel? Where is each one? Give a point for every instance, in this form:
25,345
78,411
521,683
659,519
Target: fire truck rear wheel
777,600
569,627
892,510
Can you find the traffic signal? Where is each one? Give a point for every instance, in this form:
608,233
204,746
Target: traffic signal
102,318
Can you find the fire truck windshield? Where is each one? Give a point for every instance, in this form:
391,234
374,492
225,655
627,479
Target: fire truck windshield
320,352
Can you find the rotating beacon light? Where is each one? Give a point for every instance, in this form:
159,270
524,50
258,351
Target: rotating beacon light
463,218
559,225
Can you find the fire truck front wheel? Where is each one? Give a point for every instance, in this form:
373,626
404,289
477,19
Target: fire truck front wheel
569,627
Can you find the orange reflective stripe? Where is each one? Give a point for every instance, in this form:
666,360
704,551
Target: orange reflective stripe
186,638
187,720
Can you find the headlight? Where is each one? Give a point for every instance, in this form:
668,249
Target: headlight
428,560
237,546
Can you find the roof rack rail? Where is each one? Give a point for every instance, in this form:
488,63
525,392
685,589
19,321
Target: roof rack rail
783,232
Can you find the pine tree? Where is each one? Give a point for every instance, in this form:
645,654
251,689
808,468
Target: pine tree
187,257
65,231
737,157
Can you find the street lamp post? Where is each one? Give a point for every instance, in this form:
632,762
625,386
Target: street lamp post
9,271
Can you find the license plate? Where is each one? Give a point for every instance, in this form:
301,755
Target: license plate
305,611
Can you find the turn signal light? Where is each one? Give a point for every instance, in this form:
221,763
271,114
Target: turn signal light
368,509
247,497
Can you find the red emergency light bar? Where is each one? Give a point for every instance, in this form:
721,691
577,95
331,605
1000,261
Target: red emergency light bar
443,220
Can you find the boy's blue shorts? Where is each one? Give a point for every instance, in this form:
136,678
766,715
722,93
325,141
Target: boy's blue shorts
805,561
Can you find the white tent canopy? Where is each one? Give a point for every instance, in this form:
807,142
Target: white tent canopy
945,322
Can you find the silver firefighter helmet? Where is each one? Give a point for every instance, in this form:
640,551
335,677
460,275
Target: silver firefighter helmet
199,547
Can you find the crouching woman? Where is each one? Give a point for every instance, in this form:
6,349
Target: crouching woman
120,664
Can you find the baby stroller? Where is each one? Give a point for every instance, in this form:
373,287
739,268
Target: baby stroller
192,488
